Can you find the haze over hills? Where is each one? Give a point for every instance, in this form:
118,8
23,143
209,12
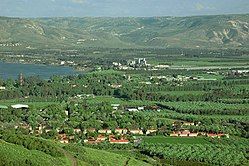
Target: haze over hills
221,31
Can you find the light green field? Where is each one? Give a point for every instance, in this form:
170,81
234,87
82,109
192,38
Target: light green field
32,104
101,157
174,140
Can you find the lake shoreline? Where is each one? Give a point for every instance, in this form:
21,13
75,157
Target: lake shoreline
13,69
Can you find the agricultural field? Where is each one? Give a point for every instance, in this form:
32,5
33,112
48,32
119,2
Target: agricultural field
12,154
130,114
101,157
174,140
130,89
112,100
208,153
213,108
31,104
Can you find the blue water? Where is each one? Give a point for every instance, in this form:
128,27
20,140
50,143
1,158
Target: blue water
12,70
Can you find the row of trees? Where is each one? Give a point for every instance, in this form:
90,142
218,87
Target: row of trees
31,143
208,153
208,108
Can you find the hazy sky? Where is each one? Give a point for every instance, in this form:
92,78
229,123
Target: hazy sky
114,8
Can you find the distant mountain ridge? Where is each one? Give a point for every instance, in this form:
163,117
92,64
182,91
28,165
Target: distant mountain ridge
221,31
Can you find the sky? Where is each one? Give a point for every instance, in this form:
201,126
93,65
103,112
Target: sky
120,8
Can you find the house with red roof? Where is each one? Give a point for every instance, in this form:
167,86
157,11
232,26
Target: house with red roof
63,138
91,140
213,135
121,141
185,133
113,140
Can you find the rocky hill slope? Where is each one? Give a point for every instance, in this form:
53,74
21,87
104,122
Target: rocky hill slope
222,31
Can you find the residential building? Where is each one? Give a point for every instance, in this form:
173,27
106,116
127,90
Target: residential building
20,106
105,131
122,141
193,134
121,131
77,130
2,88
101,138
137,131
91,130
149,131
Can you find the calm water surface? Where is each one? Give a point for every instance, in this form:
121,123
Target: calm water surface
12,70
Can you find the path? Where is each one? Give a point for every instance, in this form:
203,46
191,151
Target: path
70,157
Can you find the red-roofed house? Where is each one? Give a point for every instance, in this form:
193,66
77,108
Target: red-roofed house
185,133
213,135
122,141
63,138
91,140
113,140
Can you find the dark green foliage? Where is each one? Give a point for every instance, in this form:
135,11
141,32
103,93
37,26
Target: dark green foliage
31,143
208,153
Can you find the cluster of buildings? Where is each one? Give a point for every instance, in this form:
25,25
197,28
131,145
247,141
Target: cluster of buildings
238,72
115,86
137,63
107,135
103,135
135,108
183,132
111,139
10,44
69,63
177,78
187,133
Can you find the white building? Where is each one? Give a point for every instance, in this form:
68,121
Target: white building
19,106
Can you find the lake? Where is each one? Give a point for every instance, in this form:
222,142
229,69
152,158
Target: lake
12,70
